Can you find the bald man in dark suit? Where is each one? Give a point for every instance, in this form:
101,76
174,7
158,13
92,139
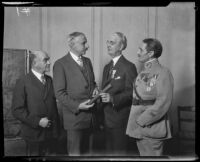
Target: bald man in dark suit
34,104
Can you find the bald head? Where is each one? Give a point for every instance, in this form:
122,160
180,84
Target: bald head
40,61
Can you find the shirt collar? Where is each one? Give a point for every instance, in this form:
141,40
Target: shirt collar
116,59
38,75
74,56
151,60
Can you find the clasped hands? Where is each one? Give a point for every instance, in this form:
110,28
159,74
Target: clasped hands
45,122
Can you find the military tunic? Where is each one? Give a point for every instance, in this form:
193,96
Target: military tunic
153,90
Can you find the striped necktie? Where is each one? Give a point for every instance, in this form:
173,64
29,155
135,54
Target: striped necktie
111,69
43,79
80,61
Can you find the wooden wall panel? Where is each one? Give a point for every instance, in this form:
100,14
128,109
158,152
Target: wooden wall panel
14,66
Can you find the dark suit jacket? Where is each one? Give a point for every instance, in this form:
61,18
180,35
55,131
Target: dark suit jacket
116,113
32,101
72,88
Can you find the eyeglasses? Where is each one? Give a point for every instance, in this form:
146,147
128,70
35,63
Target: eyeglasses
110,42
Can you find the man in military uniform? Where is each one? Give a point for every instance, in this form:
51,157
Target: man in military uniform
153,92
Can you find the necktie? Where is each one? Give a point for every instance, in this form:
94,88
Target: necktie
111,69
80,61
43,79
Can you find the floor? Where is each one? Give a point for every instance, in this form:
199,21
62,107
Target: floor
16,147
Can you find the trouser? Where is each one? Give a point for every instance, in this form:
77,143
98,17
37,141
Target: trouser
150,147
43,148
78,142
116,141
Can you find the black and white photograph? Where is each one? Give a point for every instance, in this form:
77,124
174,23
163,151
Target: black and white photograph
99,82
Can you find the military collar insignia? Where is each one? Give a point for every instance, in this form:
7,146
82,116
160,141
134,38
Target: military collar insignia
149,63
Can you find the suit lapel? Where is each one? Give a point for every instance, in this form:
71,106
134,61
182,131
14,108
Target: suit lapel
117,67
37,83
107,78
46,87
119,64
87,70
35,80
75,66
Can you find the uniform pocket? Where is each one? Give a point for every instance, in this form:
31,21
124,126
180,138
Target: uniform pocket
156,130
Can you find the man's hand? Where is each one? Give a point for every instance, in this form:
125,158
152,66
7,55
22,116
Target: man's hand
106,97
95,92
45,122
84,105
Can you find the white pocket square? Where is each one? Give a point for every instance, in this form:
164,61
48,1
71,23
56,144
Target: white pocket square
117,78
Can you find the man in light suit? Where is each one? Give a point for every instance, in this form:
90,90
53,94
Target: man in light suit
120,73
74,85
153,92
34,104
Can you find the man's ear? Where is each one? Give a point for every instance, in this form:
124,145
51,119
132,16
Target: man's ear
122,46
151,53
71,44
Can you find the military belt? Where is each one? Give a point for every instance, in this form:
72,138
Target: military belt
143,102
146,102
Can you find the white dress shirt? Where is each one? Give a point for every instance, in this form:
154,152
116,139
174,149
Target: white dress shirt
116,59
76,58
38,75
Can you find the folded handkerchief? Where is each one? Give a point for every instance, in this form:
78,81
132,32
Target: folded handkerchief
118,78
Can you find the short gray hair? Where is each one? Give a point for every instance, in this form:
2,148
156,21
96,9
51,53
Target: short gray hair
73,35
123,39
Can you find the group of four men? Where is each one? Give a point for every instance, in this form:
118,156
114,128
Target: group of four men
132,106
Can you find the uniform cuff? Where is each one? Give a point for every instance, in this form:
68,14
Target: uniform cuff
139,123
